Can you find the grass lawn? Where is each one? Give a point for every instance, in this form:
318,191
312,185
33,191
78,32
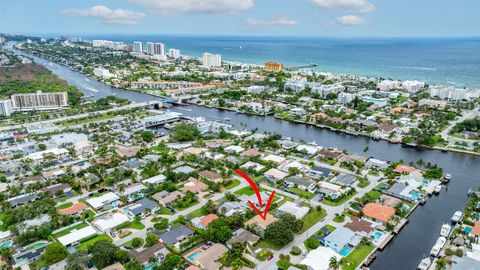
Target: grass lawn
356,257
234,183
129,243
375,195
64,206
197,213
339,219
330,228
245,191
302,193
137,225
67,231
91,241
312,218
340,202
363,184
267,244
183,208
164,211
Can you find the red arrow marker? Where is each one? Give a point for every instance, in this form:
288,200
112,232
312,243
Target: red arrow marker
259,198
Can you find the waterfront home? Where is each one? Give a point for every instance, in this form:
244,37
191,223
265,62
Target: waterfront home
157,179
297,111
202,222
287,144
293,209
142,207
252,166
353,158
104,201
108,222
344,179
75,209
464,263
301,182
193,185
74,237
378,212
275,159
230,208
274,174
330,154
373,163
175,236
310,150
155,253
258,225
60,188
338,239
208,259
360,226
402,169
390,201
319,258
165,198
127,151
476,229
244,237
211,176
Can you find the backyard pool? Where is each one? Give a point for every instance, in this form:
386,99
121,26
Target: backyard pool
415,195
377,235
345,251
467,230
6,244
192,256
151,266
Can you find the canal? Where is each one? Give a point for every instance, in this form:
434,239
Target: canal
417,237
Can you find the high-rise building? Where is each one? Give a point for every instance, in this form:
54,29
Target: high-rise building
138,47
273,66
39,101
159,49
150,48
174,53
6,107
212,60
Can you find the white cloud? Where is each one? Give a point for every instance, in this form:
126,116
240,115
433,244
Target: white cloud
349,20
166,7
107,15
274,21
347,5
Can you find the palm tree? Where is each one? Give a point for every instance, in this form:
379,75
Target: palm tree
441,264
334,263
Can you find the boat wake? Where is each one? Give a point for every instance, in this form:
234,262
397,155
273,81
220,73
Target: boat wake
417,68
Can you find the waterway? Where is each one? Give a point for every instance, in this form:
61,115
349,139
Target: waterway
423,229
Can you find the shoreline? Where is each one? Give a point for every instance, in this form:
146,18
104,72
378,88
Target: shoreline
434,148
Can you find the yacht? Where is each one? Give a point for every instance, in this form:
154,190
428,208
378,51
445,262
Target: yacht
437,189
446,178
445,230
438,246
457,216
226,119
424,264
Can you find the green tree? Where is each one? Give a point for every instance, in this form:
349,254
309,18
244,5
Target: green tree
103,254
279,233
77,260
219,231
184,132
137,242
312,243
55,252
151,240
334,263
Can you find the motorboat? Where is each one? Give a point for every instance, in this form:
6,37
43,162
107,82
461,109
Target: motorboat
437,189
424,264
438,246
457,216
445,232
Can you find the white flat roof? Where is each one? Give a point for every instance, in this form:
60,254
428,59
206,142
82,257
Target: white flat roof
100,201
156,179
112,221
77,235
294,209
319,258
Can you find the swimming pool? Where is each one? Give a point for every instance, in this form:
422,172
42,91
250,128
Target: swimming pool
6,244
377,235
415,195
151,266
467,230
192,256
345,251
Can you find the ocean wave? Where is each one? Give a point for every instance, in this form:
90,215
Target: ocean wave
417,68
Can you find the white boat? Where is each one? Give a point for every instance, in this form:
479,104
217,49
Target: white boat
438,246
457,216
448,176
424,264
437,189
445,232
226,119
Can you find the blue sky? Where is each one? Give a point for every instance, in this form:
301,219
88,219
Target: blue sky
329,18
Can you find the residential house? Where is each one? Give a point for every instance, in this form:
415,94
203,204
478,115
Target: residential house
175,236
235,149
23,199
104,201
55,189
344,179
317,172
319,258
230,208
194,185
211,176
244,237
252,166
74,237
208,259
251,153
156,253
75,209
338,239
360,226
378,212
275,159
376,164
165,198
274,174
143,207
108,222
293,209
134,191
127,151
259,225
157,179
301,182
184,170
202,222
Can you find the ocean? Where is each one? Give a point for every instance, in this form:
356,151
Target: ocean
454,61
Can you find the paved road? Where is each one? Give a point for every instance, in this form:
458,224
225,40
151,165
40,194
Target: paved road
470,114
149,224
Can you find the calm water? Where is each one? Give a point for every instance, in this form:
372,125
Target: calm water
417,237
437,61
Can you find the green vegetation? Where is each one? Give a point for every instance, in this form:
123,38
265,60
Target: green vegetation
64,206
302,193
183,132
67,231
87,243
312,243
357,256
282,231
314,216
233,183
